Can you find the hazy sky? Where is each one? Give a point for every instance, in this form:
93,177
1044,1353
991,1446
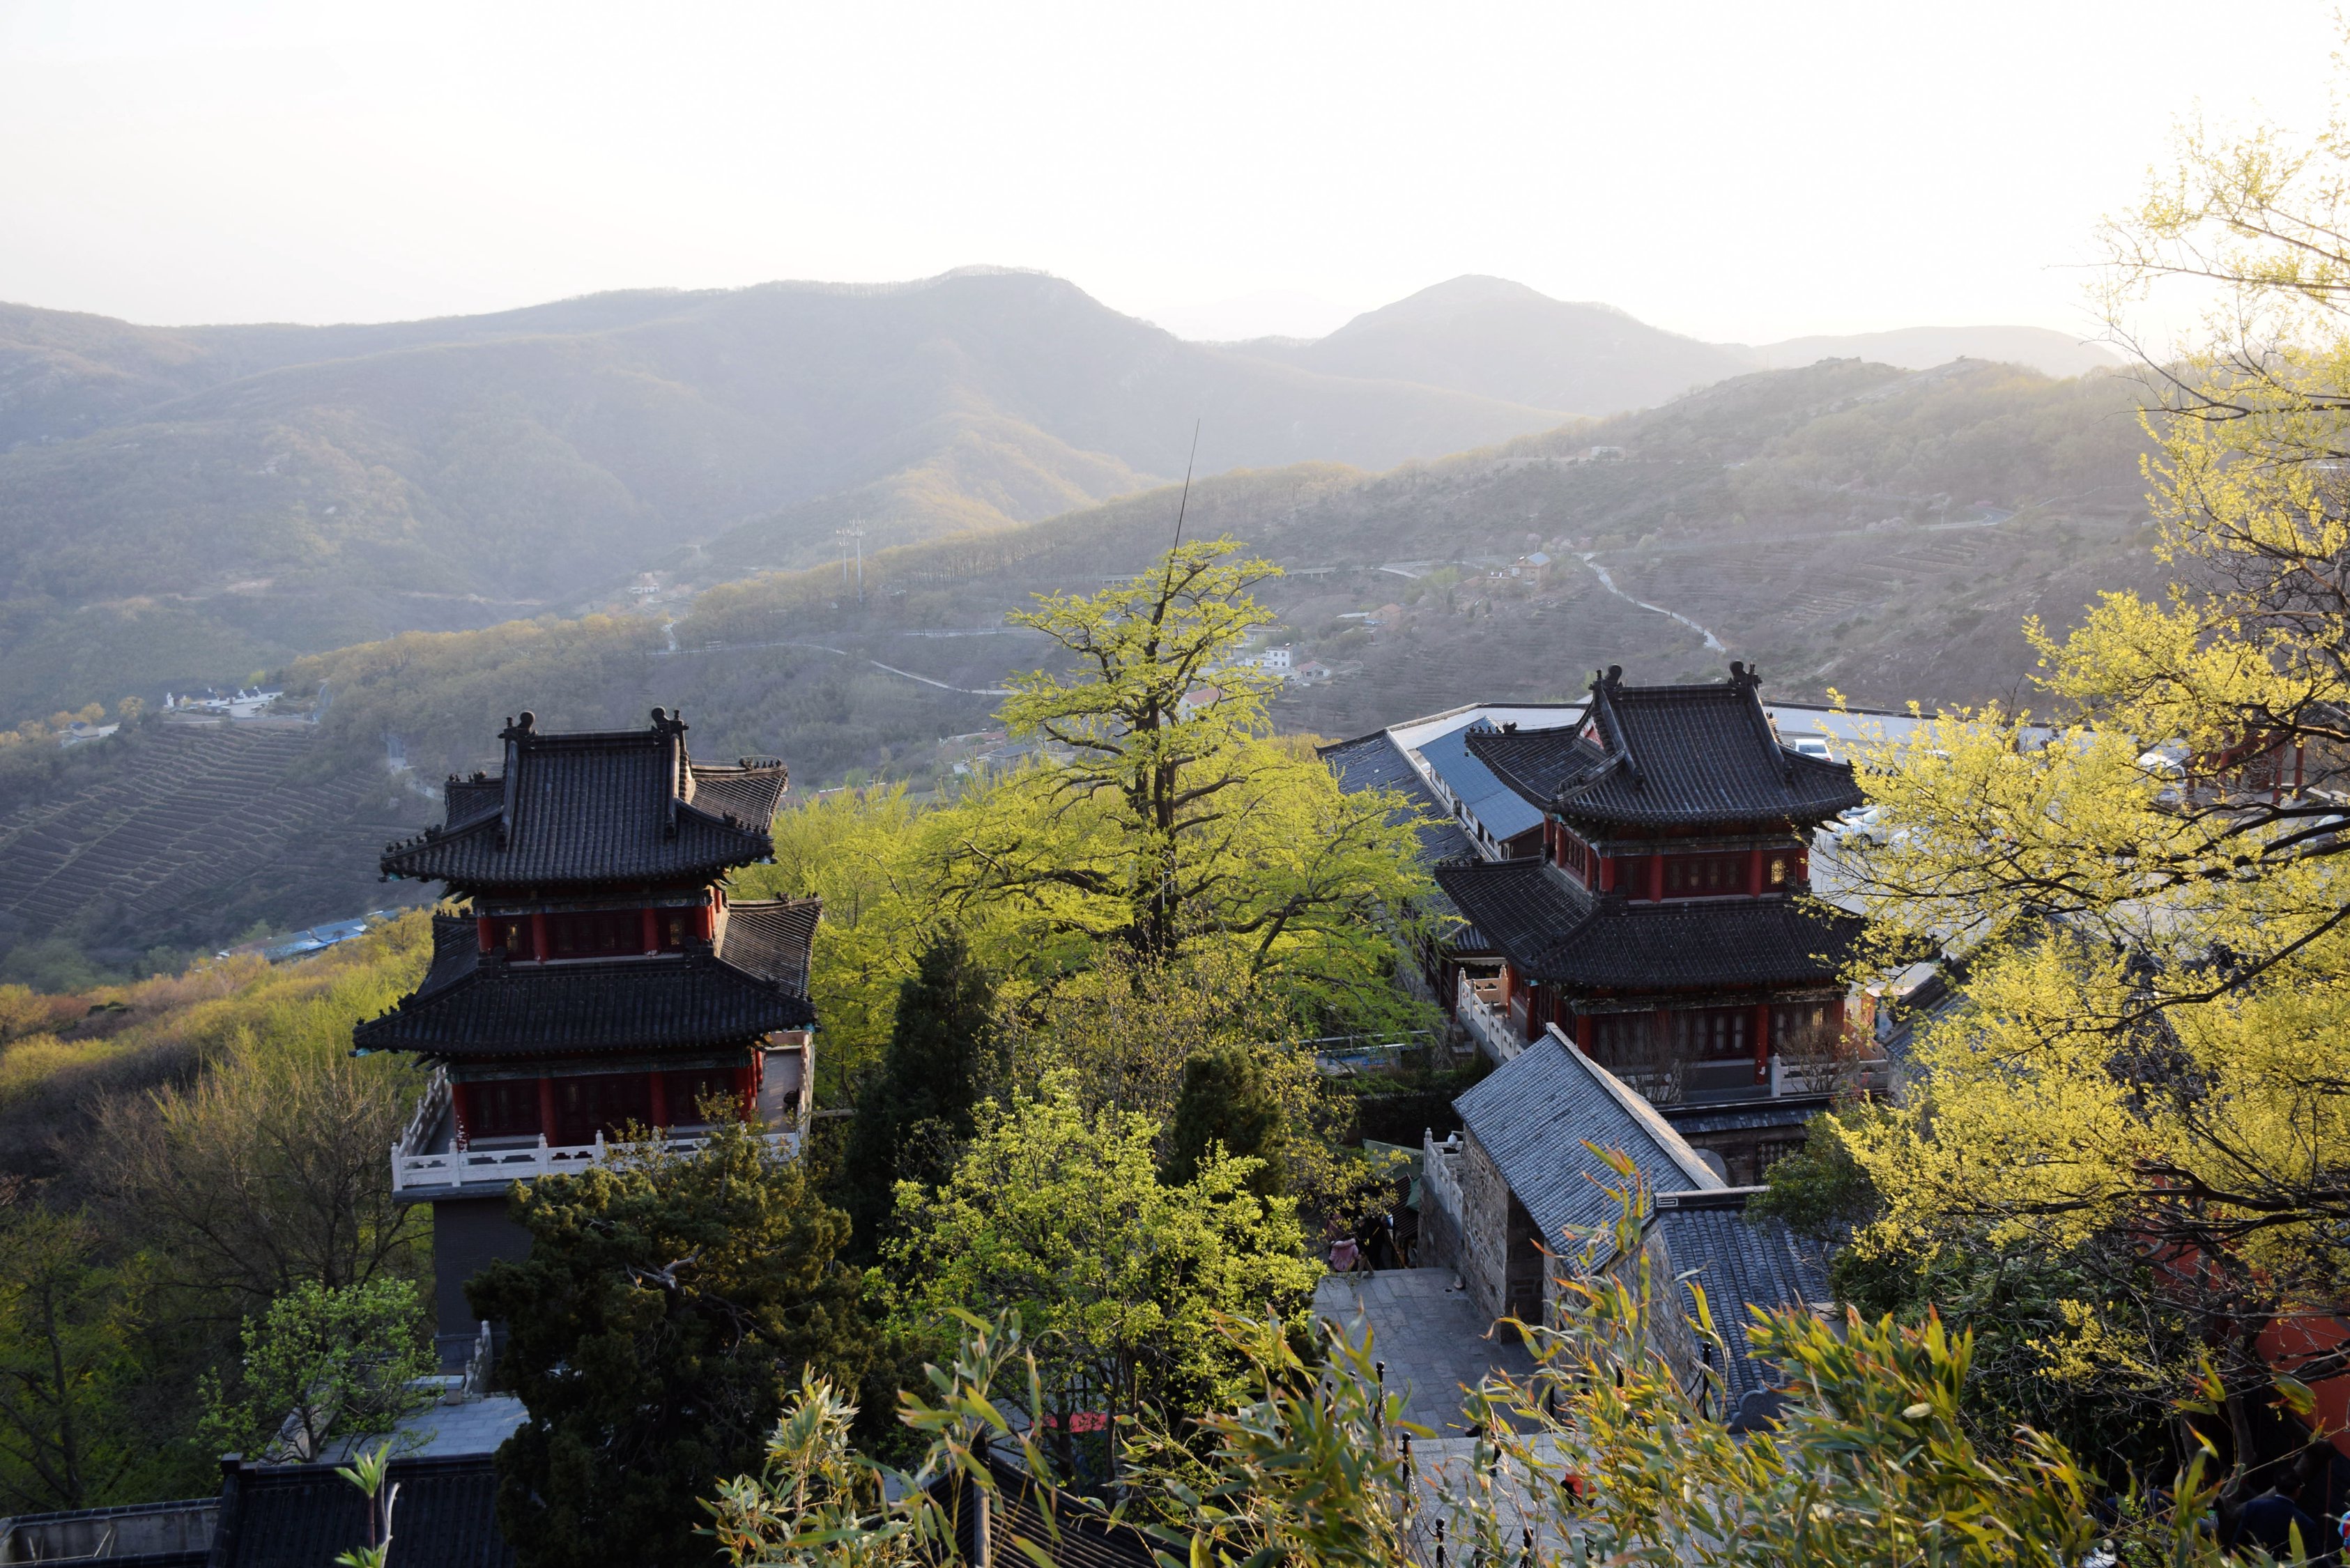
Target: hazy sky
1740,171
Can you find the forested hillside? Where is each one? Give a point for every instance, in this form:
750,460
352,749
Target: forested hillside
1850,525
1847,525
187,506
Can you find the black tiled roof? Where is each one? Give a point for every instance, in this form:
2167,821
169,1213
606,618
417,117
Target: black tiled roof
624,806
1535,1112
475,1004
1741,1263
1070,1539
299,1516
1374,761
456,949
771,938
1665,756
1553,930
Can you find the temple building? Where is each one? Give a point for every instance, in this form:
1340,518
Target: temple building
597,977
1662,925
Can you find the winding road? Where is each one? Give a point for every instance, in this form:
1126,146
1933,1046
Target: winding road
1609,582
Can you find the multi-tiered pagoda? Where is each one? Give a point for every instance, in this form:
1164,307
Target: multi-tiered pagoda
599,977
1662,927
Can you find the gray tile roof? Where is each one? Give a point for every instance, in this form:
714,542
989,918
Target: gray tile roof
1742,1264
596,806
1376,762
1658,756
1533,1116
1553,929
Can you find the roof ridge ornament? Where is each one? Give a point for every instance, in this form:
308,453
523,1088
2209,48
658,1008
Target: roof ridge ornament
679,785
1746,677
513,734
1605,687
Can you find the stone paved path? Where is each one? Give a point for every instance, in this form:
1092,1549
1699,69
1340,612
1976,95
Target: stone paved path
1433,1340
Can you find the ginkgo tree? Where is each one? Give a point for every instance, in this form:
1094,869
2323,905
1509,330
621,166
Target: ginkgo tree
2150,884
1162,817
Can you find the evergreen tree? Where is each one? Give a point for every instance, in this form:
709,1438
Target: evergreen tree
1226,1099
667,1304
915,1117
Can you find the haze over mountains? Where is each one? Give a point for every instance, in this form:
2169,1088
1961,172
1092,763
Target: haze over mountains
1502,340
202,505
188,505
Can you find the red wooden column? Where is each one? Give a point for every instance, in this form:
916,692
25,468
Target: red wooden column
461,1101
652,930
1657,878
538,935
1755,872
546,1109
1762,1042
1583,1032
659,1099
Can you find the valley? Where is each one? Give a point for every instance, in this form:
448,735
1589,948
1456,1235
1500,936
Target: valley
586,510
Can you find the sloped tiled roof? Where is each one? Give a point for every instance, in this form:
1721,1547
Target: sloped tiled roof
1502,810
1660,756
473,1004
298,1516
771,938
1742,1264
596,806
1535,1112
1374,761
1552,929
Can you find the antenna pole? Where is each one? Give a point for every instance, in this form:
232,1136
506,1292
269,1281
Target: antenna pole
1184,505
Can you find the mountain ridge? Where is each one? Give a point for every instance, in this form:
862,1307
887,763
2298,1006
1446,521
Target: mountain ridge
177,507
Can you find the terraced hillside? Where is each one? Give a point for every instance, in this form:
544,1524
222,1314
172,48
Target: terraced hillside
194,836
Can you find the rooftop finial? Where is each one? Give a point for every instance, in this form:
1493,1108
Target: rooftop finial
661,717
529,722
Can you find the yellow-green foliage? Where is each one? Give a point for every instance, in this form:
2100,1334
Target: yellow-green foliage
1155,829
174,1023
2157,1031
1060,1215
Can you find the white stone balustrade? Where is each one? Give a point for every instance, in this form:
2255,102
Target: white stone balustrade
489,1167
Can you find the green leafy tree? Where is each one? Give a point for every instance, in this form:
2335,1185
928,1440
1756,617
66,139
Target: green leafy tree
1601,1454
2154,1038
1060,1217
1168,819
321,1363
70,1328
1226,1103
667,1304
917,1113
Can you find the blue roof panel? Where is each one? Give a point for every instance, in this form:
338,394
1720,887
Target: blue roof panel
1501,811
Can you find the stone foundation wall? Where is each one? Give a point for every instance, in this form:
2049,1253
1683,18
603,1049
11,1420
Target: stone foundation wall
1499,1259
